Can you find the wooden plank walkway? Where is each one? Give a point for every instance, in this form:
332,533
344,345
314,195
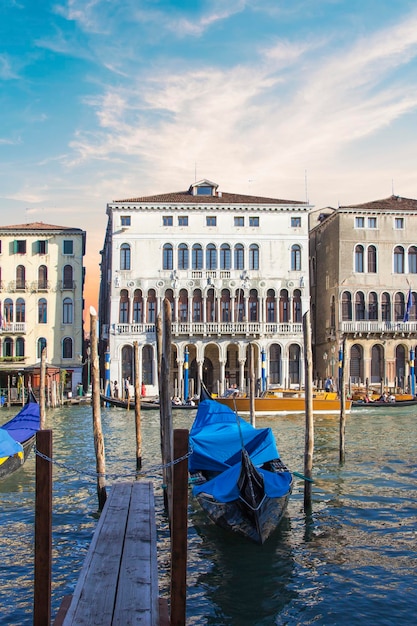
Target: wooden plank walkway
118,583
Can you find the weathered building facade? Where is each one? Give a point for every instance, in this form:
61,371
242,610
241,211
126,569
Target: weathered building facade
363,272
235,269
41,283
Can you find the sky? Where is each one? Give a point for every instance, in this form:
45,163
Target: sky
296,99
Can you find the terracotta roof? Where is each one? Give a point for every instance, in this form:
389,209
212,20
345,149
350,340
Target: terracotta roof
185,197
393,203
36,226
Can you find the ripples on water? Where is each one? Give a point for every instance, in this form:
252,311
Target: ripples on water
350,562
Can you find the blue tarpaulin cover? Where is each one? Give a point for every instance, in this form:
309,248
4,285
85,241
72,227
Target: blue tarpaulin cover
216,442
25,424
8,445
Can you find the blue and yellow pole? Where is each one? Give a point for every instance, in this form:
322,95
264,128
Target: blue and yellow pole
186,357
263,355
340,369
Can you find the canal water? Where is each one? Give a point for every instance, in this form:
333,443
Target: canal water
351,562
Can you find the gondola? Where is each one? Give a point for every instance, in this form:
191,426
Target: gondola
17,437
239,479
144,404
382,404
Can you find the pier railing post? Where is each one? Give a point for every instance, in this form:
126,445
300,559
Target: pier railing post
43,531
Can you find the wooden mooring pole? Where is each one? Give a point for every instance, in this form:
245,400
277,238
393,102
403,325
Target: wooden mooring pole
42,379
43,531
138,431
252,385
179,529
342,422
97,431
309,433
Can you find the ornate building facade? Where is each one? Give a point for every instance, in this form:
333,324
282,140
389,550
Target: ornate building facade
363,271
235,269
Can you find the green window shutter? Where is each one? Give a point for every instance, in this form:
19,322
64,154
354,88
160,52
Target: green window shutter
15,246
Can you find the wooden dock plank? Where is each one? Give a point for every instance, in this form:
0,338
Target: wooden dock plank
118,583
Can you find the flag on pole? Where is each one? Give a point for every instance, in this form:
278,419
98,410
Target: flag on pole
408,307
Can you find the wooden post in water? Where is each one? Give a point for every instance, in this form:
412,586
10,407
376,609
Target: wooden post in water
43,531
137,408
98,434
179,529
309,434
342,422
42,379
165,405
252,385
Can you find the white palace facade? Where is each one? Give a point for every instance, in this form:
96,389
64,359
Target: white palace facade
235,269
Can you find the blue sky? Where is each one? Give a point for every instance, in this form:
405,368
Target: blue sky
102,100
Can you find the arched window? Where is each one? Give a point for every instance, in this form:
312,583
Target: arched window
239,254
346,306
373,306
43,277
20,346
296,303
20,277
225,257
271,306
359,259
253,256
386,307
151,307
68,277
8,310
137,307
294,353
167,257
225,306
211,257
296,257
42,311
400,364
210,304
67,348
398,260
124,307
20,310
183,306
275,364
8,347
40,346
197,306
372,267
359,306
239,305
356,363
413,311
284,309
399,306
67,311
183,256
412,260
125,257
253,305
197,257
147,365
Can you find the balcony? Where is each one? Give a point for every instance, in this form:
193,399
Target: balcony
66,285
13,328
366,328
214,329
40,285
18,285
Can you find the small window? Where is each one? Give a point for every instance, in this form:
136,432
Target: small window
399,223
359,222
239,221
295,222
125,220
254,221
19,246
68,246
183,220
204,191
167,220
211,221
42,246
371,222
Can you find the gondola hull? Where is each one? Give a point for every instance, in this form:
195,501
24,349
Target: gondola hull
12,463
18,436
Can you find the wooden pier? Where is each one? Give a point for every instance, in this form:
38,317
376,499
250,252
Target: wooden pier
118,583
